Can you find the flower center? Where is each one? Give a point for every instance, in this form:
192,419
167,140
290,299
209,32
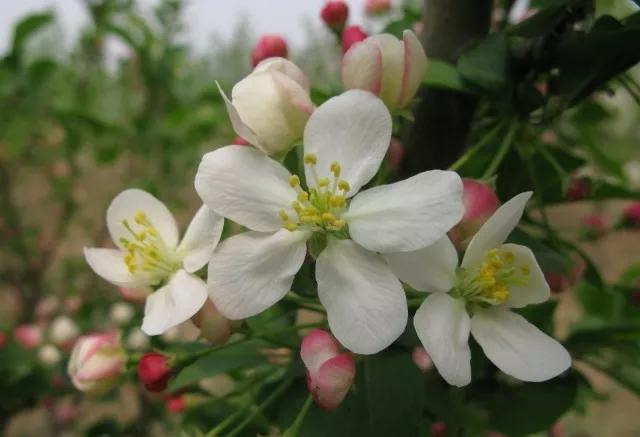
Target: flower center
320,208
146,251
491,281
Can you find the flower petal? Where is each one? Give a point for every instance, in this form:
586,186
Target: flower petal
407,215
392,66
537,290
174,303
495,230
202,236
249,272
442,324
246,186
317,347
127,204
333,381
353,129
517,347
285,67
109,264
362,67
430,269
239,126
415,67
365,302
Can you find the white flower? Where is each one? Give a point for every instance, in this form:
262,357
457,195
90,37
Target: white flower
389,68
148,254
270,107
345,141
477,297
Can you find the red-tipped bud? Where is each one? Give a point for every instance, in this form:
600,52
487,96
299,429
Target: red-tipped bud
154,371
375,7
631,215
480,202
334,14
438,429
29,336
577,189
421,359
329,373
176,404
269,46
395,154
352,35
239,141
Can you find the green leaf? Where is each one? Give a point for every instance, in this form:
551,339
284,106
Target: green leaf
486,66
442,75
26,27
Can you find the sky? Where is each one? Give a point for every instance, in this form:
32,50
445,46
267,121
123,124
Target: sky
202,17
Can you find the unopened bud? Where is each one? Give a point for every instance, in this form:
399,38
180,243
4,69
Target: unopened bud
29,336
631,215
480,202
352,35
176,404
214,327
421,359
334,14
97,362
154,371
63,331
577,189
49,355
269,46
121,313
376,7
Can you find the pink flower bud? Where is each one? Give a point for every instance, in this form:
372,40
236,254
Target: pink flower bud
631,215
154,371
560,281
176,404
438,429
65,411
269,46
96,362
395,154
329,373
49,355
29,336
239,141
577,189
334,14
390,68
72,304
480,202
421,358
213,325
352,35
594,224
375,7
47,307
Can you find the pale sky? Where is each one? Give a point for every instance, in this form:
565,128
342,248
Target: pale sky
202,17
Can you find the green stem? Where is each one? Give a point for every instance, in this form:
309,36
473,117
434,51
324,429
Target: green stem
476,147
308,304
297,424
502,152
272,397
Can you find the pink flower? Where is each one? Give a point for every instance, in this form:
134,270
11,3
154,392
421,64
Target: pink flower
154,371
29,336
480,202
352,35
96,362
421,358
632,214
334,14
375,7
329,373
269,46
213,326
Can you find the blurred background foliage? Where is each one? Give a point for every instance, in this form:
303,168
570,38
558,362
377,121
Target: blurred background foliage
557,101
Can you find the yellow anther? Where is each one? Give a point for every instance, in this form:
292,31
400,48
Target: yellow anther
140,236
140,217
310,158
337,201
296,206
344,186
327,217
290,226
303,196
306,219
339,224
509,257
335,169
324,182
294,180
525,270
283,215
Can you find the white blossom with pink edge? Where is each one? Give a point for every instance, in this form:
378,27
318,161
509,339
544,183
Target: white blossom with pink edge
345,142
96,362
477,297
148,254
330,373
387,67
270,107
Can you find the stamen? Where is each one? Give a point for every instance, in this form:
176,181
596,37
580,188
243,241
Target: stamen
344,186
310,158
294,181
335,169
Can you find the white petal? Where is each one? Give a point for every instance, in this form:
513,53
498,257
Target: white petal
365,302
202,236
407,215
249,272
430,269
109,264
127,204
173,303
246,186
285,67
362,67
392,67
517,347
415,67
353,129
239,126
537,290
442,324
495,230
